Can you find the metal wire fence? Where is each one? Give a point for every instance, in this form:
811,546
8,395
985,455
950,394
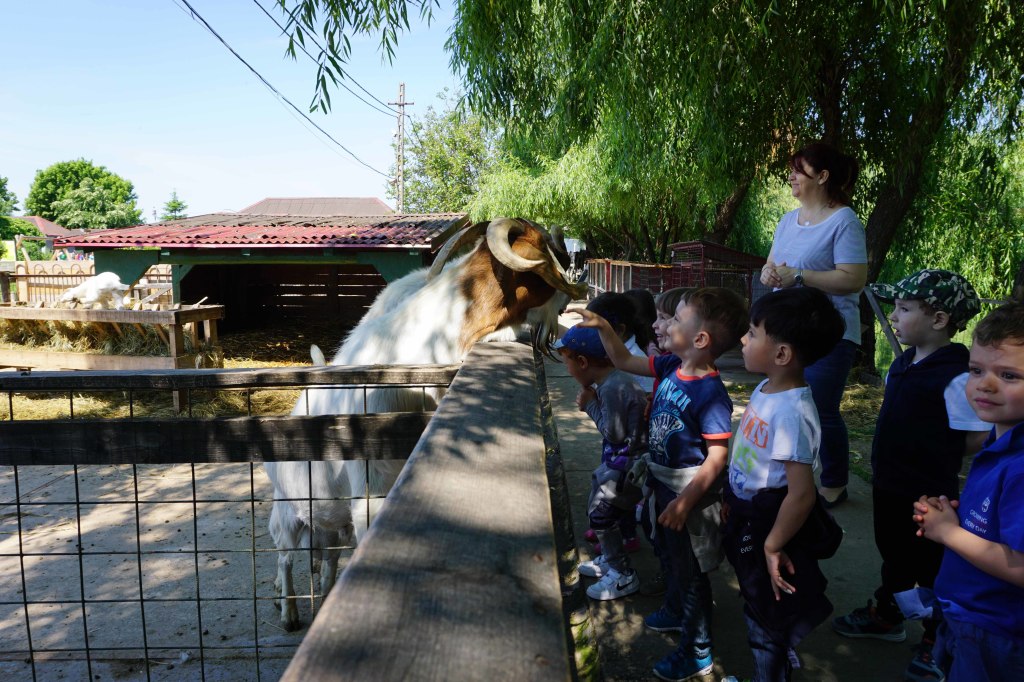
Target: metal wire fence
137,547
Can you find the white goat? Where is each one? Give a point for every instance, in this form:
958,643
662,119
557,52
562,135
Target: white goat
104,290
514,275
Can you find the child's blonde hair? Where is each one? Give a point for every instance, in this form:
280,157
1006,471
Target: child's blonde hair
1005,324
669,300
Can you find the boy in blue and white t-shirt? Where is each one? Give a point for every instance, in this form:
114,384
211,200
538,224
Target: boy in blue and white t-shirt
771,490
689,433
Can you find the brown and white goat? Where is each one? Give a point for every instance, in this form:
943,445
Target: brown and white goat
515,274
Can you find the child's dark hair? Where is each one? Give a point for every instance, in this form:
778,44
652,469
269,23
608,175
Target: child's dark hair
1005,324
617,308
668,301
645,316
802,317
723,314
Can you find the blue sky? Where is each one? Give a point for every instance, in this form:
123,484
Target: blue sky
140,87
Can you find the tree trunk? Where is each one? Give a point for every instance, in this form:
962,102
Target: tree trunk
902,181
829,95
725,214
1018,284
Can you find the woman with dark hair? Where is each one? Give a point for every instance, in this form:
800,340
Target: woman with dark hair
821,244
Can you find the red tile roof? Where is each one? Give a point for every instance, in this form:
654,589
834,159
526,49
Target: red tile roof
234,230
47,227
318,206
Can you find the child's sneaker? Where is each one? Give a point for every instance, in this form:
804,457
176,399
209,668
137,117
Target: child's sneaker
865,623
614,585
590,535
922,667
663,620
676,667
595,568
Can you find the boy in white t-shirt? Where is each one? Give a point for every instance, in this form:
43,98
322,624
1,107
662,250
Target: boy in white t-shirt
924,429
771,492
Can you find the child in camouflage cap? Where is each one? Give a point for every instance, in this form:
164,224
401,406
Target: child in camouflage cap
925,427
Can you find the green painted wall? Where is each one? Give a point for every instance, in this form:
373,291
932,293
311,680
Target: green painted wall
130,265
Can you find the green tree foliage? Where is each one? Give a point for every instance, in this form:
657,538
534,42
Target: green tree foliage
14,227
626,217
446,152
94,207
8,200
175,208
957,227
327,25
692,104
707,98
55,182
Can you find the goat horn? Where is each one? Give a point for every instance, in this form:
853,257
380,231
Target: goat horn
548,269
497,242
456,242
559,279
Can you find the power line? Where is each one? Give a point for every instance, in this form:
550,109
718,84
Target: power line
387,112
198,17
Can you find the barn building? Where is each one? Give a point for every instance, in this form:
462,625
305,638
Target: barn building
265,267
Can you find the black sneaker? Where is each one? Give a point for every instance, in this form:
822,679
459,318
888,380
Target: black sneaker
865,623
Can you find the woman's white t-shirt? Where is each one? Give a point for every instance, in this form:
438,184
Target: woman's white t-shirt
837,239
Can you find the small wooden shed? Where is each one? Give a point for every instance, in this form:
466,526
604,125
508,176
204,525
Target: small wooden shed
264,268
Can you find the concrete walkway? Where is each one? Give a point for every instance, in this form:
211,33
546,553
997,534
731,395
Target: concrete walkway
629,651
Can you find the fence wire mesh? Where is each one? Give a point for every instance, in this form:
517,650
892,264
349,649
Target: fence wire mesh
148,571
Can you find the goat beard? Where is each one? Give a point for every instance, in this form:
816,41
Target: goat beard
544,322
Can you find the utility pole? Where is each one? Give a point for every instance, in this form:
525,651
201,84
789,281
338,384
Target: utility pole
400,175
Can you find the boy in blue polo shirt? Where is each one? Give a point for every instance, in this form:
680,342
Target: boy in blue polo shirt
980,586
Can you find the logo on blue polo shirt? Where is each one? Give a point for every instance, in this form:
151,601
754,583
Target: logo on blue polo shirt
985,504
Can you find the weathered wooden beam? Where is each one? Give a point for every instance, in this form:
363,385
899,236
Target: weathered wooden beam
207,312
213,440
84,361
457,576
269,377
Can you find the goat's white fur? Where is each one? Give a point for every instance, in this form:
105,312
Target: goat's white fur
414,320
104,290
